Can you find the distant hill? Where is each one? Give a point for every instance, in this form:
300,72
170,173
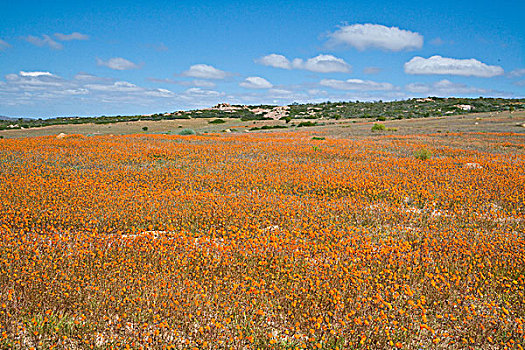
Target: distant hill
379,110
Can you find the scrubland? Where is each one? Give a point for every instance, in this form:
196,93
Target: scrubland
264,241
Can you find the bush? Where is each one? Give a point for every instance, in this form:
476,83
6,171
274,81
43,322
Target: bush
306,124
145,128
318,138
268,127
378,127
381,118
217,121
423,154
185,132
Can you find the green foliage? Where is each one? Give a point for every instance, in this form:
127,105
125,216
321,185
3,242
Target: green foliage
423,154
378,127
145,128
268,127
217,121
411,108
318,138
301,124
185,132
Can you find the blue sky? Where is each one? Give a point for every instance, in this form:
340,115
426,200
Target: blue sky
64,58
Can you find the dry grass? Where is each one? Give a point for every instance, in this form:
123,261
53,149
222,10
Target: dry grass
348,128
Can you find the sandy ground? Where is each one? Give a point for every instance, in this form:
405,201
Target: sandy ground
503,122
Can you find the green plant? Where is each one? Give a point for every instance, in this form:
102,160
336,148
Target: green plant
301,124
423,154
378,127
145,128
185,132
318,138
217,121
381,118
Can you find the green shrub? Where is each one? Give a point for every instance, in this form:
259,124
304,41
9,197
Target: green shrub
318,138
378,127
185,132
301,124
381,118
217,121
145,128
423,154
268,127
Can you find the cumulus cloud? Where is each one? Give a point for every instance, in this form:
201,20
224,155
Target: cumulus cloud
41,87
451,66
72,36
117,63
322,64
256,83
35,74
204,71
202,92
444,88
364,36
275,60
318,64
4,44
356,84
25,93
46,40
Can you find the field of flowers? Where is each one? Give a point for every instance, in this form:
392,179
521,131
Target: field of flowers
263,241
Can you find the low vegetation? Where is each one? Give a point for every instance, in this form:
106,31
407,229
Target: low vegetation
262,240
378,110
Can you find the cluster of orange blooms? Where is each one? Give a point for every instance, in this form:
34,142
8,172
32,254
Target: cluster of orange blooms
262,241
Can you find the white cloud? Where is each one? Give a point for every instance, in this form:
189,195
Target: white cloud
195,82
280,92
322,64
364,36
203,83
35,74
371,70
444,88
204,71
4,44
45,86
275,60
517,73
117,63
437,41
356,84
318,64
256,83
118,86
452,66
160,93
72,36
46,40
26,93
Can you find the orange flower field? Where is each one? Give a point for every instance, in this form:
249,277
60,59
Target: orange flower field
270,241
